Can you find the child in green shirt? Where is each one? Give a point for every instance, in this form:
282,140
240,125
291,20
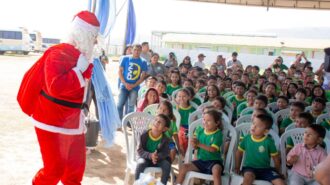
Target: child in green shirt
318,106
185,109
238,98
175,82
207,142
295,109
166,108
153,150
250,98
258,149
212,91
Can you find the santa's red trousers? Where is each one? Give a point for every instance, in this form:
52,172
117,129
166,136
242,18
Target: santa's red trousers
63,158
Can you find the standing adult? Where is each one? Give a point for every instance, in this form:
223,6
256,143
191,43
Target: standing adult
199,62
171,61
145,54
55,103
234,60
132,71
220,63
155,67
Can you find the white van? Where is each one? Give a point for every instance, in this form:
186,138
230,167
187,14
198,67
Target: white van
36,41
15,40
48,42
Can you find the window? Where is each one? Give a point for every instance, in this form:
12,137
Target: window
33,37
11,35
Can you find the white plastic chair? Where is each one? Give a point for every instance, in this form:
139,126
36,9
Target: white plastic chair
198,114
174,93
151,109
246,110
285,113
245,129
230,105
202,95
297,135
322,118
272,106
327,107
139,122
203,105
290,127
227,162
244,119
229,112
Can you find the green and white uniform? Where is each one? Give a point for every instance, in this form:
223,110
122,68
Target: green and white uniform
257,152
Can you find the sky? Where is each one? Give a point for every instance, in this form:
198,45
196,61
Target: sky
53,18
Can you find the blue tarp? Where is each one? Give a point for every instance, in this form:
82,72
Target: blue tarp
108,114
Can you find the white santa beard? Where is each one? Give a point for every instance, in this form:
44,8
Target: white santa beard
82,40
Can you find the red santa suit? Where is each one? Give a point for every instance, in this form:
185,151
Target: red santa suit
56,110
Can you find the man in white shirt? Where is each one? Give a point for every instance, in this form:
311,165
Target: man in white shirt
199,62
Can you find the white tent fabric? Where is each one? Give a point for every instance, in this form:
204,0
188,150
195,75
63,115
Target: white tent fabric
304,4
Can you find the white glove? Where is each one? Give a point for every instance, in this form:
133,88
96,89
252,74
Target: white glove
82,63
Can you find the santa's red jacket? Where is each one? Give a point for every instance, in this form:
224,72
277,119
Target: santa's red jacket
59,79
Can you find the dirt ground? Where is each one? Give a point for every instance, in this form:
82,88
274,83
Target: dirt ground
20,157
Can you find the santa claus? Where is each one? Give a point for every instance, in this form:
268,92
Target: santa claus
52,93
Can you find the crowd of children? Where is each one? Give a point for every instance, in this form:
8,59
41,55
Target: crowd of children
249,91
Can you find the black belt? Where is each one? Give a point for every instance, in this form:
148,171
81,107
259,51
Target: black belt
64,102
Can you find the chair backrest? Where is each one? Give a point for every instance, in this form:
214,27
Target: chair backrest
245,129
322,118
151,109
290,127
229,112
227,129
272,106
174,93
229,104
203,105
244,119
227,94
327,107
139,122
177,118
297,136
201,95
246,110
282,114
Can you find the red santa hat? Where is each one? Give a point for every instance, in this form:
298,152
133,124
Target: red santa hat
87,20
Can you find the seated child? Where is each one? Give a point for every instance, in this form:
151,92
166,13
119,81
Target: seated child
303,120
250,98
166,108
185,109
318,106
150,83
261,102
305,156
153,150
193,96
219,104
258,149
207,142
238,98
295,109
301,95
326,122
281,103
151,97
175,82
212,91
161,89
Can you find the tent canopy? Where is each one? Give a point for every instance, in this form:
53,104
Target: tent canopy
304,4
